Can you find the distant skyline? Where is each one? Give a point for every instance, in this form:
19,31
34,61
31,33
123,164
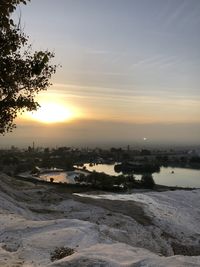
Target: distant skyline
130,69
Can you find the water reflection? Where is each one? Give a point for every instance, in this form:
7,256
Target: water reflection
178,177
167,175
58,177
106,168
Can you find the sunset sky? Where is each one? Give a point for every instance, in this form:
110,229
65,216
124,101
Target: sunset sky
130,71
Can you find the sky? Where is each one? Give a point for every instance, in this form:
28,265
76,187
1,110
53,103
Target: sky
129,75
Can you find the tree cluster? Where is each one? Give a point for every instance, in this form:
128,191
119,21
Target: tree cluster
104,181
23,73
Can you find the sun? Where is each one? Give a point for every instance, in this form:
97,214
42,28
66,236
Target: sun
52,113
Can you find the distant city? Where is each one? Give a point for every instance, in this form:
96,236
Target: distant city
17,159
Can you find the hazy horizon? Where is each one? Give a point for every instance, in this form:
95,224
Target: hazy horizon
89,133
130,73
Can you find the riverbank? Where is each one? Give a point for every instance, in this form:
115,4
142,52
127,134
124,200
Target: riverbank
78,187
109,229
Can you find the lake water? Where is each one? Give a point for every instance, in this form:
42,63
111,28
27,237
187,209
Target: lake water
167,175
60,177
180,177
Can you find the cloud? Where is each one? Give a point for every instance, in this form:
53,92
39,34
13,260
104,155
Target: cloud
183,13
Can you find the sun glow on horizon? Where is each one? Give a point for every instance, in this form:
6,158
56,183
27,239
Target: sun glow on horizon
51,112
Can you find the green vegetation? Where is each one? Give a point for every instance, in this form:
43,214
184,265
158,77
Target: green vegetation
23,73
147,181
104,181
142,167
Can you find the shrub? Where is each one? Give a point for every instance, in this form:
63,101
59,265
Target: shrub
147,180
61,252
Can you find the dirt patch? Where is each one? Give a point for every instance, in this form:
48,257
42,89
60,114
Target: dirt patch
10,247
60,253
180,249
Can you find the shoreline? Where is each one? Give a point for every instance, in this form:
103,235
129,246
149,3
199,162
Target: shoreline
85,188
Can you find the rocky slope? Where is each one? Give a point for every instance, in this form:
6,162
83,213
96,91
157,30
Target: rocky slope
39,224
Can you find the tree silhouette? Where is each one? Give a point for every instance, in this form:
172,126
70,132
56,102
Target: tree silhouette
147,180
23,73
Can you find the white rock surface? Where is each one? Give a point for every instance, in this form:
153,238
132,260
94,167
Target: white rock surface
176,212
34,220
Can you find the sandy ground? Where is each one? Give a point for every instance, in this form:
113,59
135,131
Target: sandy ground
140,229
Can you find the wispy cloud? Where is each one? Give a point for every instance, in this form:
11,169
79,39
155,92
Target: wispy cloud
183,13
158,60
114,104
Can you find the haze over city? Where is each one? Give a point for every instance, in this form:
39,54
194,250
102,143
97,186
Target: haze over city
129,75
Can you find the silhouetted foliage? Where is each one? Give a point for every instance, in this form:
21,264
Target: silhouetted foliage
23,73
195,159
107,182
147,181
139,168
6,8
